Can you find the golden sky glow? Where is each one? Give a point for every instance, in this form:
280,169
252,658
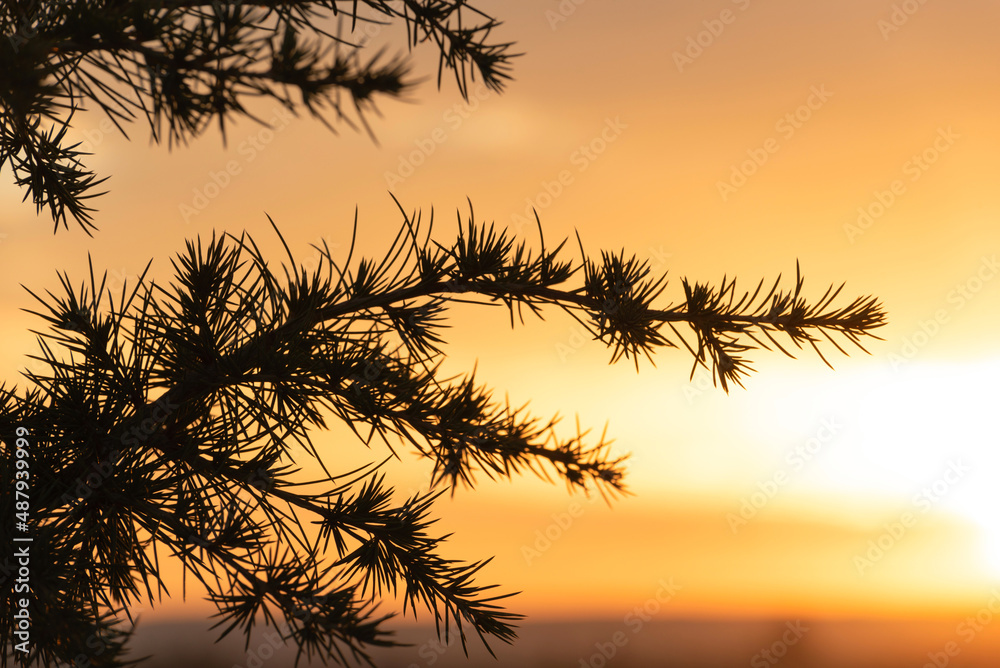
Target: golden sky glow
801,131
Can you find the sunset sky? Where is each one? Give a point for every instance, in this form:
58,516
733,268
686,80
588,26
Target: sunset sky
855,138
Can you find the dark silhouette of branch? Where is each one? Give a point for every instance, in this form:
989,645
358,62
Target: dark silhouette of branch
184,64
173,426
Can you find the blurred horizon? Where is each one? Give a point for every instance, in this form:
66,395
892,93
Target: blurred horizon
633,641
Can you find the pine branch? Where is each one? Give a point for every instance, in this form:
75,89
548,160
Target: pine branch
186,64
189,401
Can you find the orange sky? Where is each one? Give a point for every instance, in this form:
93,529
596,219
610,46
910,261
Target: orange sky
837,113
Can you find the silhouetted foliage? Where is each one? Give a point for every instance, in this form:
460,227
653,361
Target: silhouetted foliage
168,419
188,405
183,64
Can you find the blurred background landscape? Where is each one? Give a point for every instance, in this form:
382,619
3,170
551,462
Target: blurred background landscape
680,643
710,138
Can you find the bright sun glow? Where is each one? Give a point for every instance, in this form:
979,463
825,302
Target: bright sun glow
932,425
917,437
